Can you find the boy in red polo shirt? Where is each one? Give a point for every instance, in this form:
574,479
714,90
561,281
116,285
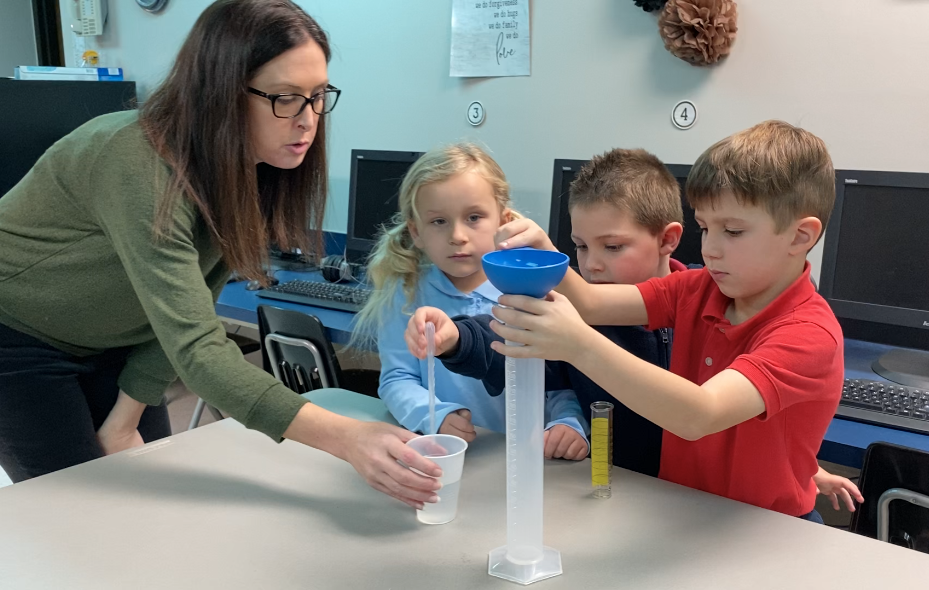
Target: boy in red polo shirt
757,366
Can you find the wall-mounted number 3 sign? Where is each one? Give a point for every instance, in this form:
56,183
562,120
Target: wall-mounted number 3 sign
684,114
475,113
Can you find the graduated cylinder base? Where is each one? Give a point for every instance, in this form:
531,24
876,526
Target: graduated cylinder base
522,572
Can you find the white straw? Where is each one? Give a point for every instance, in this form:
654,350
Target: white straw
430,363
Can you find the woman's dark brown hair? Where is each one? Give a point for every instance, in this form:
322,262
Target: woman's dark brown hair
197,120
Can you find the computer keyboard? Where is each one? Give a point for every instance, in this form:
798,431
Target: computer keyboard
885,404
329,295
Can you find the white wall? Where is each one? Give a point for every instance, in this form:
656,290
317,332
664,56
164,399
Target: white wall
17,36
852,71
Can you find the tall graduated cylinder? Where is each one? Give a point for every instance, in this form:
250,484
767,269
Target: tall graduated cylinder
524,559
525,449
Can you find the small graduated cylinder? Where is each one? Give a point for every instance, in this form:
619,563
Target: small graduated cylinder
601,448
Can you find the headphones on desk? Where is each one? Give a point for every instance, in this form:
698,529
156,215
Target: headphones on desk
336,269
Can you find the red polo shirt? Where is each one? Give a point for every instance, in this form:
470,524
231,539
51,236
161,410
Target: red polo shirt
792,351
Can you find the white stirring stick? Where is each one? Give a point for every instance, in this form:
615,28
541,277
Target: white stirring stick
430,364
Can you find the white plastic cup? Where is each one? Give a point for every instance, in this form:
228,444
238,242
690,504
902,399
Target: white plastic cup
448,453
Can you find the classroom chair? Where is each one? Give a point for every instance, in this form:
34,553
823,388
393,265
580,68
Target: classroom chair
895,484
297,351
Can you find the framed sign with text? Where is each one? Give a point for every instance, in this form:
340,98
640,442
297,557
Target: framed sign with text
490,38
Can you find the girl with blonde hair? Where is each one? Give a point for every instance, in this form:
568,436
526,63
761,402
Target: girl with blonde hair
452,201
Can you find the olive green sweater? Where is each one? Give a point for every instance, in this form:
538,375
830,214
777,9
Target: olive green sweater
81,269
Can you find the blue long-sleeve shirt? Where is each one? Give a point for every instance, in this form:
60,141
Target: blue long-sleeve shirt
403,384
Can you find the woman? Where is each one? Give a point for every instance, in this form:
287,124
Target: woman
114,246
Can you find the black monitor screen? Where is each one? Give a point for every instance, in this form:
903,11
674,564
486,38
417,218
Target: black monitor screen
688,251
881,255
376,194
562,229
373,194
34,114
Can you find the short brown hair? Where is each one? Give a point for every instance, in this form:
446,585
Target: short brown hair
774,165
633,180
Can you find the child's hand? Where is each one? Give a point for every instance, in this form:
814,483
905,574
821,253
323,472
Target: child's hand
563,442
522,232
836,487
458,424
446,332
551,328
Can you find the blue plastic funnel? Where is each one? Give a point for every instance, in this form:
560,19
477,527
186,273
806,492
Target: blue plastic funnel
525,271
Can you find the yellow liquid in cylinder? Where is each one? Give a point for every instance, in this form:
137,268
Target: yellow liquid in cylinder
600,447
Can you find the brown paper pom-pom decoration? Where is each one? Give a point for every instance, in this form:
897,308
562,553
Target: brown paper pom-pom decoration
700,32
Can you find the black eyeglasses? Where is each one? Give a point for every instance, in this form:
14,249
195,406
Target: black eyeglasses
288,106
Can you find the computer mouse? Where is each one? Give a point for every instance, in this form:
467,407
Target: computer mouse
255,285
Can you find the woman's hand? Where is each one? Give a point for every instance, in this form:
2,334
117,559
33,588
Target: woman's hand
374,449
115,440
120,430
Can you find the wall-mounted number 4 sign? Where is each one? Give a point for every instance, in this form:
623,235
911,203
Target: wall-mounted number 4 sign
684,114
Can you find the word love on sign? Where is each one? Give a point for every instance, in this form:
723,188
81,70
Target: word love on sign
490,38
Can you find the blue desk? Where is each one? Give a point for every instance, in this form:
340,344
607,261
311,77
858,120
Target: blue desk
241,306
845,440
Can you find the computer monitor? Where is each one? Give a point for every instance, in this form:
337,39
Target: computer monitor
559,221
875,271
34,114
690,248
373,192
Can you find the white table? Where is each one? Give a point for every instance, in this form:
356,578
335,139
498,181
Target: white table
224,507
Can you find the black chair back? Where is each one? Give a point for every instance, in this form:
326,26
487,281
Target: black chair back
893,467
296,349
